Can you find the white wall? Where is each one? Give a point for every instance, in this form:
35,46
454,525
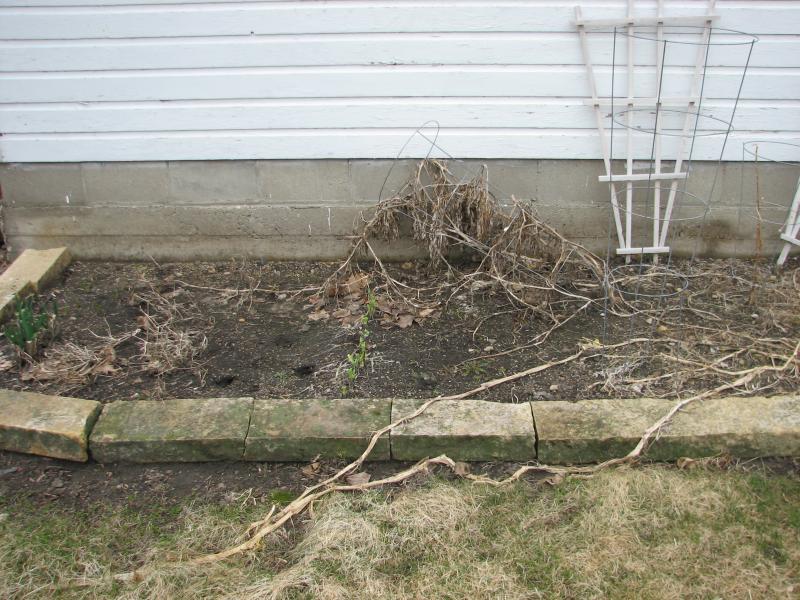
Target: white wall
138,80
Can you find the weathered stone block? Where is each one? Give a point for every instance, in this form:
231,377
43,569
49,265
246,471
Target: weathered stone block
172,430
469,430
741,427
596,430
592,430
39,267
52,426
297,430
10,291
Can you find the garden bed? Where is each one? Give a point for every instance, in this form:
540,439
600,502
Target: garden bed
244,328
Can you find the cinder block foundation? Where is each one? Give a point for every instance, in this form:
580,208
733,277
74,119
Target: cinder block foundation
306,209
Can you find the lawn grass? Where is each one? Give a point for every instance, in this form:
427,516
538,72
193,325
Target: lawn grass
650,532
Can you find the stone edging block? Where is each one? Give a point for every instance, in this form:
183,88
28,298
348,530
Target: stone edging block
31,272
468,430
52,426
144,431
299,430
591,431
744,427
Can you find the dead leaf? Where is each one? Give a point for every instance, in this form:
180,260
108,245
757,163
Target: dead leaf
555,480
685,463
320,315
352,286
350,319
104,368
355,283
587,344
358,478
5,363
311,469
385,305
404,321
461,469
425,312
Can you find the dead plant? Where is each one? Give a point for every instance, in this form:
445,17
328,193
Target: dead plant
169,338
460,222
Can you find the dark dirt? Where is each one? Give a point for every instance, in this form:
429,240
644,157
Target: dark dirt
263,344
63,483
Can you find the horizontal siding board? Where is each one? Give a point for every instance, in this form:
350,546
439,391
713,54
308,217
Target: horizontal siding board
348,17
332,143
96,80
532,113
351,82
337,50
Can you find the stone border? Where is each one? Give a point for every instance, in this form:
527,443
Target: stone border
557,433
32,271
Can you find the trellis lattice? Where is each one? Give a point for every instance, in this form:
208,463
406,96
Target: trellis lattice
622,186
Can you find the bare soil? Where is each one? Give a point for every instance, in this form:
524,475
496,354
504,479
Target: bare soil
63,483
265,338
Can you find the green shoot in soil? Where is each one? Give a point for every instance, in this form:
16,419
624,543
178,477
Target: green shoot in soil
29,324
357,360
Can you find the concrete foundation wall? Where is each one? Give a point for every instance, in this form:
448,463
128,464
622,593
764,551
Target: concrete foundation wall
305,209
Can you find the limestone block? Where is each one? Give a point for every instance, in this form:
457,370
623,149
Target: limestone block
298,430
468,430
53,426
172,430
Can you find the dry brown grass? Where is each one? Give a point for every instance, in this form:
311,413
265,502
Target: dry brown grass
627,534
652,532
645,533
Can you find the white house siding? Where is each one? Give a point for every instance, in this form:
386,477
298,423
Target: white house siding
166,80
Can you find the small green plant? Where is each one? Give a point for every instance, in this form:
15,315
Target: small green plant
357,360
29,325
476,370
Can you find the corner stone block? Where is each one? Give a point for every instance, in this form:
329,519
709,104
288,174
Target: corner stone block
10,291
740,426
592,431
468,430
39,267
52,426
298,430
144,431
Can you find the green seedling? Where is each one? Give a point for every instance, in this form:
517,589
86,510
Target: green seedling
475,370
357,360
29,325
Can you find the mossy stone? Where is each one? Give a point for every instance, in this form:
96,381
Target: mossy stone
299,430
172,430
591,431
740,426
466,430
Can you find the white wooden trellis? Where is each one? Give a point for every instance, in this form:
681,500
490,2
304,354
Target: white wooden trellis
660,222
791,229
